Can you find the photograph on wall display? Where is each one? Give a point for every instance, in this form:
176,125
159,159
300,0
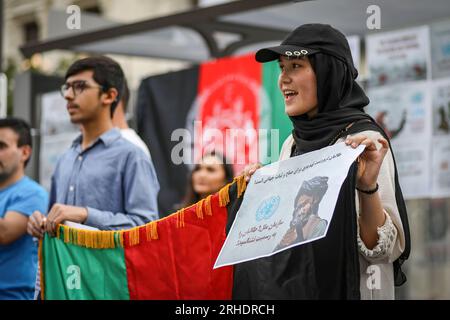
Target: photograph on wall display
398,56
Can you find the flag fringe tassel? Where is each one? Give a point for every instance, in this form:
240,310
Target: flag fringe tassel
112,239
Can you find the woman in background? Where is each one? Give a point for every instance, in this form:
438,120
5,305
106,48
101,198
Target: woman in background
208,177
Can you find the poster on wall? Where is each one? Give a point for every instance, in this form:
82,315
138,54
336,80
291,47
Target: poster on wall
441,138
355,47
57,134
404,112
52,147
441,167
440,49
398,56
441,107
54,117
413,160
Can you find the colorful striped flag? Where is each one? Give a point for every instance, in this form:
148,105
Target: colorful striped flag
171,258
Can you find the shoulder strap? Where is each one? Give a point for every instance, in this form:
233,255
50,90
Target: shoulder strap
363,125
352,128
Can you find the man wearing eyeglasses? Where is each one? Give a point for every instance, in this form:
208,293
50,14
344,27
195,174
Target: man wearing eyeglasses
103,180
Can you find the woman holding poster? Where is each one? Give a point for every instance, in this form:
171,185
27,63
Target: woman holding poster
368,237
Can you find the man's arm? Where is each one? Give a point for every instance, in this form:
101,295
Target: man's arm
141,189
12,227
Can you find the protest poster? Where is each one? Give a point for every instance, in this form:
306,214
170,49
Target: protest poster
441,107
404,111
440,49
354,43
413,158
440,162
288,203
441,167
398,56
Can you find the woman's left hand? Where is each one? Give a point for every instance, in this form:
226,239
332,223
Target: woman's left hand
369,161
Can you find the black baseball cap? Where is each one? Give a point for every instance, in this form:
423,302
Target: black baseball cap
309,39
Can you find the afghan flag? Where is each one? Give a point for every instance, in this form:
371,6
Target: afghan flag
167,259
228,105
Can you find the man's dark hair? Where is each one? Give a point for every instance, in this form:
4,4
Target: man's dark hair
107,73
125,96
21,128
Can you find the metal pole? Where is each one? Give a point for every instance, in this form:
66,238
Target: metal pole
1,34
3,80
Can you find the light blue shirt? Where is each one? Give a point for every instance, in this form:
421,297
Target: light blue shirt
112,178
18,260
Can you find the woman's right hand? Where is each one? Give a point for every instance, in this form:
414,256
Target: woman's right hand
250,169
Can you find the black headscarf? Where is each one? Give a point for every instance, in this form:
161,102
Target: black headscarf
340,103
